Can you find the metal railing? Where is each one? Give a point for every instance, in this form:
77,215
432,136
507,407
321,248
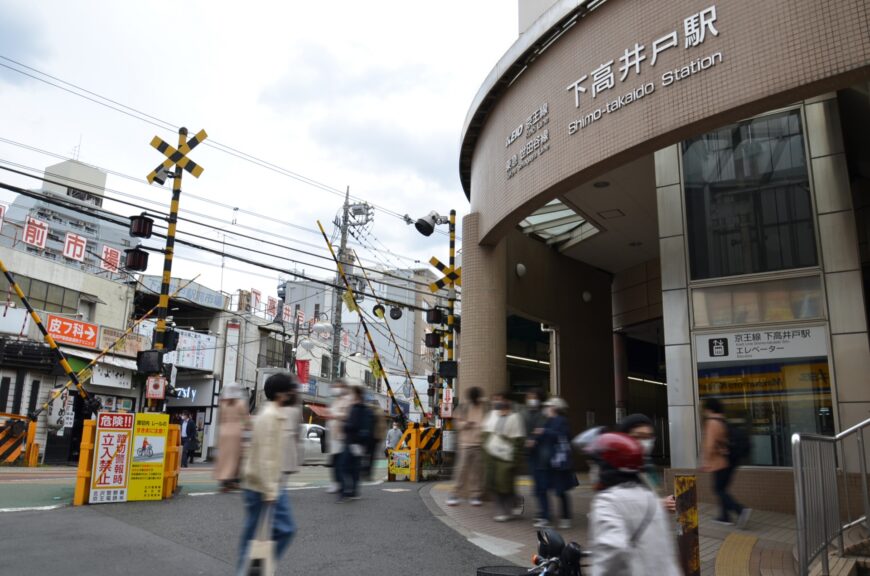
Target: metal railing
820,476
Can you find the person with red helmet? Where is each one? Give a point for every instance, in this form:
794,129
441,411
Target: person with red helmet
628,526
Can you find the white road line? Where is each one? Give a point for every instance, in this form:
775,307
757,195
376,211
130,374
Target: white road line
33,508
203,493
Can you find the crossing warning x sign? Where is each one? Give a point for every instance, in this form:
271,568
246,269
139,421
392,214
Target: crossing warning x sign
177,157
451,276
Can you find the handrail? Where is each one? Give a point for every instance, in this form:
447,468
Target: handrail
817,492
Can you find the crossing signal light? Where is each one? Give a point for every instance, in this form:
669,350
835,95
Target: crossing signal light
433,340
136,259
141,226
448,369
149,361
435,316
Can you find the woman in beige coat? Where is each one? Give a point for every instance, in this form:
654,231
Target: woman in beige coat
233,420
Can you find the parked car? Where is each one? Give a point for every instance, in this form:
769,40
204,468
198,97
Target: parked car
314,439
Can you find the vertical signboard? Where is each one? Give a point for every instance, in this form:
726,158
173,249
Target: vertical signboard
111,470
149,453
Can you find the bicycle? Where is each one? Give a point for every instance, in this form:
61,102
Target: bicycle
554,558
146,452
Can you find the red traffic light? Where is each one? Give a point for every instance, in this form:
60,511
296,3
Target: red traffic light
141,226
136,259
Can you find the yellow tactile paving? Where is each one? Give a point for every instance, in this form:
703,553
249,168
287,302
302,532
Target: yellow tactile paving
734,555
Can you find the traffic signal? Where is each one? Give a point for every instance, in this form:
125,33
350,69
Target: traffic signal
435,316
433,339
448,369
136,259
141,226
149,361
170,339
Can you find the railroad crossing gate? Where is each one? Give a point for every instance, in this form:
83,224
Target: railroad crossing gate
451,276
419,445
17,434
176,157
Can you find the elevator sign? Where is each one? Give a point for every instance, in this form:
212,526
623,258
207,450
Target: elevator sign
764,344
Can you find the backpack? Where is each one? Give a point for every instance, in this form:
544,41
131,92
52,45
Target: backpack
561,458
738,443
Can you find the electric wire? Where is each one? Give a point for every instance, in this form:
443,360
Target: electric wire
194,245
164,125
162,215
191,234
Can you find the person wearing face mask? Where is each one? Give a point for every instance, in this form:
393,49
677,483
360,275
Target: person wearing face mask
468,421
503,438
629,531
534,418
641,428
555,462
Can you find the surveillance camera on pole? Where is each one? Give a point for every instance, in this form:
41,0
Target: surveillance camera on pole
426,224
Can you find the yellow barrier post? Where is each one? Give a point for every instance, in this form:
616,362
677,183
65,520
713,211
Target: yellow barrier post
687,524
86,457
32,454
172,463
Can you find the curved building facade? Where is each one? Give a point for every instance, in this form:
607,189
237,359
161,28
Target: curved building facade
685,186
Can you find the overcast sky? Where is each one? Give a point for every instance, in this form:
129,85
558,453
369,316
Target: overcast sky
370,95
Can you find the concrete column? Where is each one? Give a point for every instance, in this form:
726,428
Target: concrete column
484,311
620,375
682,409
849,359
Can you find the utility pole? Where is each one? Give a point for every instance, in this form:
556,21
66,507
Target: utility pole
353,216
336,299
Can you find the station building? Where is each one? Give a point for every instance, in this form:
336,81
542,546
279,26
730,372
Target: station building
668,203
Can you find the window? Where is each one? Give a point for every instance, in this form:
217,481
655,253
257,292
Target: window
325,366
779,300
748,203
274,352
45,296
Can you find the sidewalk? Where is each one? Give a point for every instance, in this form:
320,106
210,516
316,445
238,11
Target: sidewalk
764,547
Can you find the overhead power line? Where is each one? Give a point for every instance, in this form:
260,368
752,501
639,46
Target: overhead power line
224,243
164,125
77,208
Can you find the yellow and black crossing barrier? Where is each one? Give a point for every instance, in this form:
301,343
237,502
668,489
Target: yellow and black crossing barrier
93,403
17,434
419,445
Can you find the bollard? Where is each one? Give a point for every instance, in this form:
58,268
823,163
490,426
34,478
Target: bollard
687,524
86,457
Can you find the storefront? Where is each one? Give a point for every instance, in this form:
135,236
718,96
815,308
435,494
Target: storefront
199,396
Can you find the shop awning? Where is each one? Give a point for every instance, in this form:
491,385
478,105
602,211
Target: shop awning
111,359
319,410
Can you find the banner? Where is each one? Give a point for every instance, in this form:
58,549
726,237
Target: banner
149,454
111,469
303,368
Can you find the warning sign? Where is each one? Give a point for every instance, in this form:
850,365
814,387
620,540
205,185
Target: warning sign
149,453
111,469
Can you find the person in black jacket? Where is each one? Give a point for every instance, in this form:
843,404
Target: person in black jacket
188,438
357,432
